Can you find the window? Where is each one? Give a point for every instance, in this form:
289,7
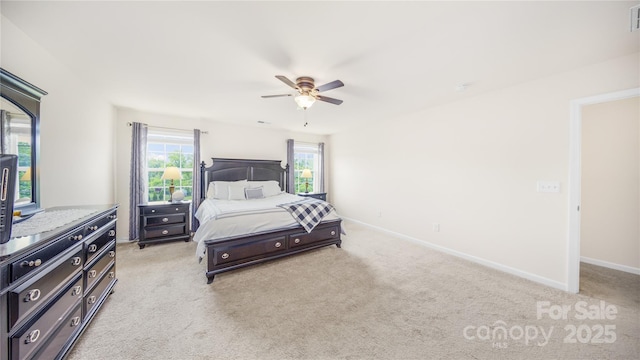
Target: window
169,148
307,156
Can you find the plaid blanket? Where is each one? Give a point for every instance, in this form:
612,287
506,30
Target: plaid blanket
308,212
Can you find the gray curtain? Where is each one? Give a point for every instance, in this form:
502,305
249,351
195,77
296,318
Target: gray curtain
321,161
290,162
197,187
137,189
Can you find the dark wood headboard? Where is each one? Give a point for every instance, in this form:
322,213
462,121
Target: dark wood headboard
240,169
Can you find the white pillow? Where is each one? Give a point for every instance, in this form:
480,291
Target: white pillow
236,191
271,188
253,193
221,188
210,190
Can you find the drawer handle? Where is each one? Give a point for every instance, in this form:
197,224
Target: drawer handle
93,228
297,241
76,237
165,219
92,274
76,290
333,233
32,295
165,232
91,300
93,248
75,321
225,256
112,233
32,337
112,254
112,275
278,244
113,216
32,263
153,211
75,261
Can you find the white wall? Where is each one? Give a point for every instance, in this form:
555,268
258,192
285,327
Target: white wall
223,140
472,167
77,125
610,202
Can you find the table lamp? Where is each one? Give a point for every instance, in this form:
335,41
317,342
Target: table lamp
171,173
306,174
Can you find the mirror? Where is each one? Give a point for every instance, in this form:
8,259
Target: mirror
20,135
15,138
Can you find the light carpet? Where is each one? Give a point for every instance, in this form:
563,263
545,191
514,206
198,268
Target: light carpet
376,298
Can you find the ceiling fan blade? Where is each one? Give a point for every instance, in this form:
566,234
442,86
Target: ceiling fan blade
329,86
287,81
329,100
272,96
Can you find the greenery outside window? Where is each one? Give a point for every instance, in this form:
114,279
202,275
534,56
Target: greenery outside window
169,148
306,156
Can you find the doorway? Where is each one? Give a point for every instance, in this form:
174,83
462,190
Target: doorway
575,142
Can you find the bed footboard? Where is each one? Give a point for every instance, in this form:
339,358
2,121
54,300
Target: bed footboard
239,251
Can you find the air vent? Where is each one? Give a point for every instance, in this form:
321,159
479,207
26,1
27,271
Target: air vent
635,18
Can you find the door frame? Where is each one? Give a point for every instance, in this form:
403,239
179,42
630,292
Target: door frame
575,168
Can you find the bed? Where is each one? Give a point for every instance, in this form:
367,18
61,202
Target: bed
246,216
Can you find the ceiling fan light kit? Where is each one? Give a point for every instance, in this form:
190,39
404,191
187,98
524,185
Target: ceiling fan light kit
304,101
308,92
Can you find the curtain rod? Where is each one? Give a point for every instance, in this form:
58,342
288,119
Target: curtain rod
168,128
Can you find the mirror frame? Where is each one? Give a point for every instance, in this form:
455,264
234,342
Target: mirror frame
27,97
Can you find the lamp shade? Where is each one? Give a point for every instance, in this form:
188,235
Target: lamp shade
26,176
304,101
171,173
306,174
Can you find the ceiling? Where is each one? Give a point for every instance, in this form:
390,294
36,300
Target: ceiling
213,60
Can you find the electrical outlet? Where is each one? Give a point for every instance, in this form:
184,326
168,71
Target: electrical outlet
436,227
548,186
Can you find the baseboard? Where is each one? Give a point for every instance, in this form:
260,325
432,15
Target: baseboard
610,265
472,258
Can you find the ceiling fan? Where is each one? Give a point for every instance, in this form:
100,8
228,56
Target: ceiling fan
308,92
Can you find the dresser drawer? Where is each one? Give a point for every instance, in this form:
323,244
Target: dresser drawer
318,234
97,292
165,209
61,336
98,223
35,334
43,256
161,231
93,247
28,296
96,270
164,219
236,252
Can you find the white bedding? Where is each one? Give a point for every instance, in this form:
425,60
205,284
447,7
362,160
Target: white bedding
223,218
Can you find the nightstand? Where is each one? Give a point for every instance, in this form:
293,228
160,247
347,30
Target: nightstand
163,221
321,196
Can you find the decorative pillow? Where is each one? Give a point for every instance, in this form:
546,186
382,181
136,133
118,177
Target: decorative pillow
253,193
221,188
236,191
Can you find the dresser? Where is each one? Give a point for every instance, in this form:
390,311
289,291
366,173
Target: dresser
163,221
54,282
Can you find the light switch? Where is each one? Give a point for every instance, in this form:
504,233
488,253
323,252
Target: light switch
548,186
